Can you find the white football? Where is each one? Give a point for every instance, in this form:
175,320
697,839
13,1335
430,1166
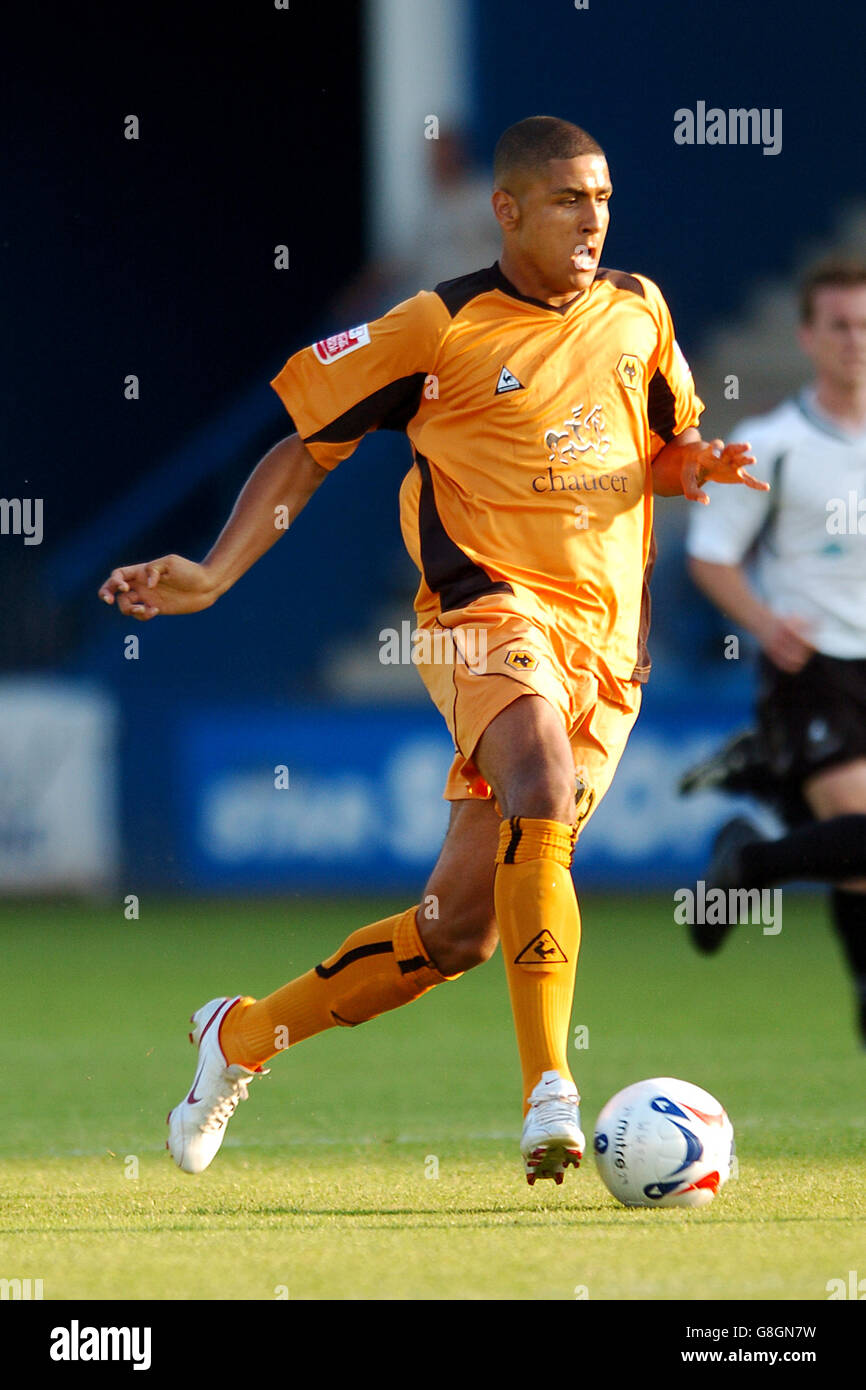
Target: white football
663,1143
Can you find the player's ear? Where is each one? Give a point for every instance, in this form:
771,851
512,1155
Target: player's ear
506,209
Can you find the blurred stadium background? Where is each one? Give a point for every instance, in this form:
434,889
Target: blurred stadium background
309,128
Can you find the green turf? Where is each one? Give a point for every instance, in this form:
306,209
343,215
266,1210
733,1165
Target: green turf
327,1184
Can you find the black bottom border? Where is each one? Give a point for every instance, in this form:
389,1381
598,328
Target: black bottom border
209,1338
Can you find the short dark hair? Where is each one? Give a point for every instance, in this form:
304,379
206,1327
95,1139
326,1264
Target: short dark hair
845,271
526,145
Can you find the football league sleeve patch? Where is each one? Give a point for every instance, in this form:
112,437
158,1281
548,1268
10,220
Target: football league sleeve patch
365,378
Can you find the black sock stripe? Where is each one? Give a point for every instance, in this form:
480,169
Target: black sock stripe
416,963
516,836
376,948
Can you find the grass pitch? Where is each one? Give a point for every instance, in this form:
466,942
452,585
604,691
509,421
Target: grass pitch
382,1162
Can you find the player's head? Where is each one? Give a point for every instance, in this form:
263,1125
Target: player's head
551,191
833,320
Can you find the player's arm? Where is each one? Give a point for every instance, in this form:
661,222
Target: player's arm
683,462
687,462
782,637
276,491
717,543
336,391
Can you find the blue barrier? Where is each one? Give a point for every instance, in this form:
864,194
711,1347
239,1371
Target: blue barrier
338,800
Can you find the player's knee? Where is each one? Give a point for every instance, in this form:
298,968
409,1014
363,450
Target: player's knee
541,790
463,944
460,956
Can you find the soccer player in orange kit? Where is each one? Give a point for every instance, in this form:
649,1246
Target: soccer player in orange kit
546,401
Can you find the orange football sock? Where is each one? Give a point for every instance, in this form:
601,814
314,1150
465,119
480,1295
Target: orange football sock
539,927
376,969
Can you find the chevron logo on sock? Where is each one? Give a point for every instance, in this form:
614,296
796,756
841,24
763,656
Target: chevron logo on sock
543,949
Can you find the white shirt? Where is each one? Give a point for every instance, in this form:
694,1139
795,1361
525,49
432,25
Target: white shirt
805,541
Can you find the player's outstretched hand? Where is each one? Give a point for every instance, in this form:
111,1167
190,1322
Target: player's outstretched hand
169,585
713,461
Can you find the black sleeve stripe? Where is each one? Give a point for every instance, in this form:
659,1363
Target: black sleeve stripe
389,408
408,967
661,407
448,571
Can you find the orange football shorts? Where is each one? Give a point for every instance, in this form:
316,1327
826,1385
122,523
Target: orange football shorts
475,661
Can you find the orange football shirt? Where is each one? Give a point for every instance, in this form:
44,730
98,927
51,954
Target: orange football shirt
533,429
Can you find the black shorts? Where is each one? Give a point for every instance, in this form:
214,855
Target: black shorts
814,719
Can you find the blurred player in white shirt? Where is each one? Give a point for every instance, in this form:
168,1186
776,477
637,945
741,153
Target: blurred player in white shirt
789,566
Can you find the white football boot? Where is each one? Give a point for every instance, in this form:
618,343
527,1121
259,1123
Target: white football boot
197,1126
552,1137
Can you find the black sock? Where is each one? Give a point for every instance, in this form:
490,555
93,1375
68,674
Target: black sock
849,919
827,850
